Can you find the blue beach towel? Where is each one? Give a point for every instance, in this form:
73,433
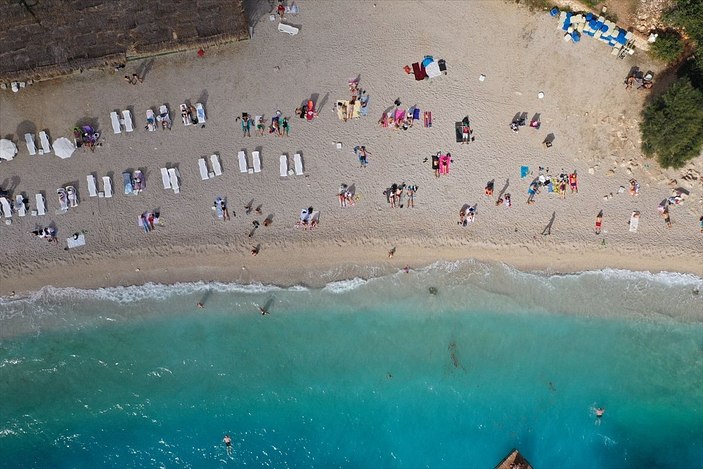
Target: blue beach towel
524,171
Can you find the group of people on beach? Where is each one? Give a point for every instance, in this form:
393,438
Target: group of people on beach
48,233
279,127
149,220
345,196
394,195
557,184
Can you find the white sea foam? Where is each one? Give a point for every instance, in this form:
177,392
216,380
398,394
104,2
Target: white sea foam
343,286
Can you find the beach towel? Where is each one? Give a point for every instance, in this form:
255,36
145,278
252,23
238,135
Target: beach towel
298,163
457,131
242,162
20,206
107,187
165,178
215,162
427,60
29,140
432,70
357,109
185,118
256,159
92,188
416,113
342,108
41,204
6,207
428,119
399,116
284,166
77,240
201,113
634,221
127,183
114,118
202,165
419,72
174,176
364,100
45,145
524,171
127,120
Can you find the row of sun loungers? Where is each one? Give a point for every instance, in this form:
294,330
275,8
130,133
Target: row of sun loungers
256,160
170,178
297,163
31,146
205,174
118,123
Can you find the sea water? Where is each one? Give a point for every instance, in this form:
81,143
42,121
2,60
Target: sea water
361,373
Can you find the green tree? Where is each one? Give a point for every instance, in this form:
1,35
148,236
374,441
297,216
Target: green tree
668,47
671,127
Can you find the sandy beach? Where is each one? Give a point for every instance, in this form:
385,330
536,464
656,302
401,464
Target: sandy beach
585,105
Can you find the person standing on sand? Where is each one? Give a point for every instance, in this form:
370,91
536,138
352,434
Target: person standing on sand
599,221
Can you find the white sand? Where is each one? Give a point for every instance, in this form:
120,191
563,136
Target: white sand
586,106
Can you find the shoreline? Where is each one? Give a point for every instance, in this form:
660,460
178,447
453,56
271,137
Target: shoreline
288,266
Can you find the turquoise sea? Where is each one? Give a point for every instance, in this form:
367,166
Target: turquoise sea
359,374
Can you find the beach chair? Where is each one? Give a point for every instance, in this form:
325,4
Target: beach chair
29,139
6,207
256,159
92,188
165,178
75,241
45,145
127,182
127,120
242,162
201,113
41,205
216,167
173,176
139,182
298,163
202,165
288,29
114,118
165,117
72,195
150,121
63,199
284,165
184,115
634,221
20,206
107,187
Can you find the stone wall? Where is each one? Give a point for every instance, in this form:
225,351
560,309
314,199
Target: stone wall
42,39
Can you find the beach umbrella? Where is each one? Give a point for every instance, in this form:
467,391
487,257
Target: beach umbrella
8,149
63,148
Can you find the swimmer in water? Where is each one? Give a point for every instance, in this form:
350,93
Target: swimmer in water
200,305
599,413
228,444
262,310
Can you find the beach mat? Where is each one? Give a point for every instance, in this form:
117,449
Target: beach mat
524,171
457,131
419,72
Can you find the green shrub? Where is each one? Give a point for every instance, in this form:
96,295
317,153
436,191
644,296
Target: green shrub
671,127
668,47
688,14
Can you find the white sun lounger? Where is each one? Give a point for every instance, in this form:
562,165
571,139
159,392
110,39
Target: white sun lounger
29,139
298,162
242,162
41,205
107,187
75,241
45,145
256,158
203,169
173,175
20,206
165,178
114,118
201,113
634,221
127,118
284,166
6,207
286,28
216,166
92,188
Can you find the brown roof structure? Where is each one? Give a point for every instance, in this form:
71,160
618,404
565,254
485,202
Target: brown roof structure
41,39
514,460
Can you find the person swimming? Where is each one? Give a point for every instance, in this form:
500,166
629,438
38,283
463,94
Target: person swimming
228,444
